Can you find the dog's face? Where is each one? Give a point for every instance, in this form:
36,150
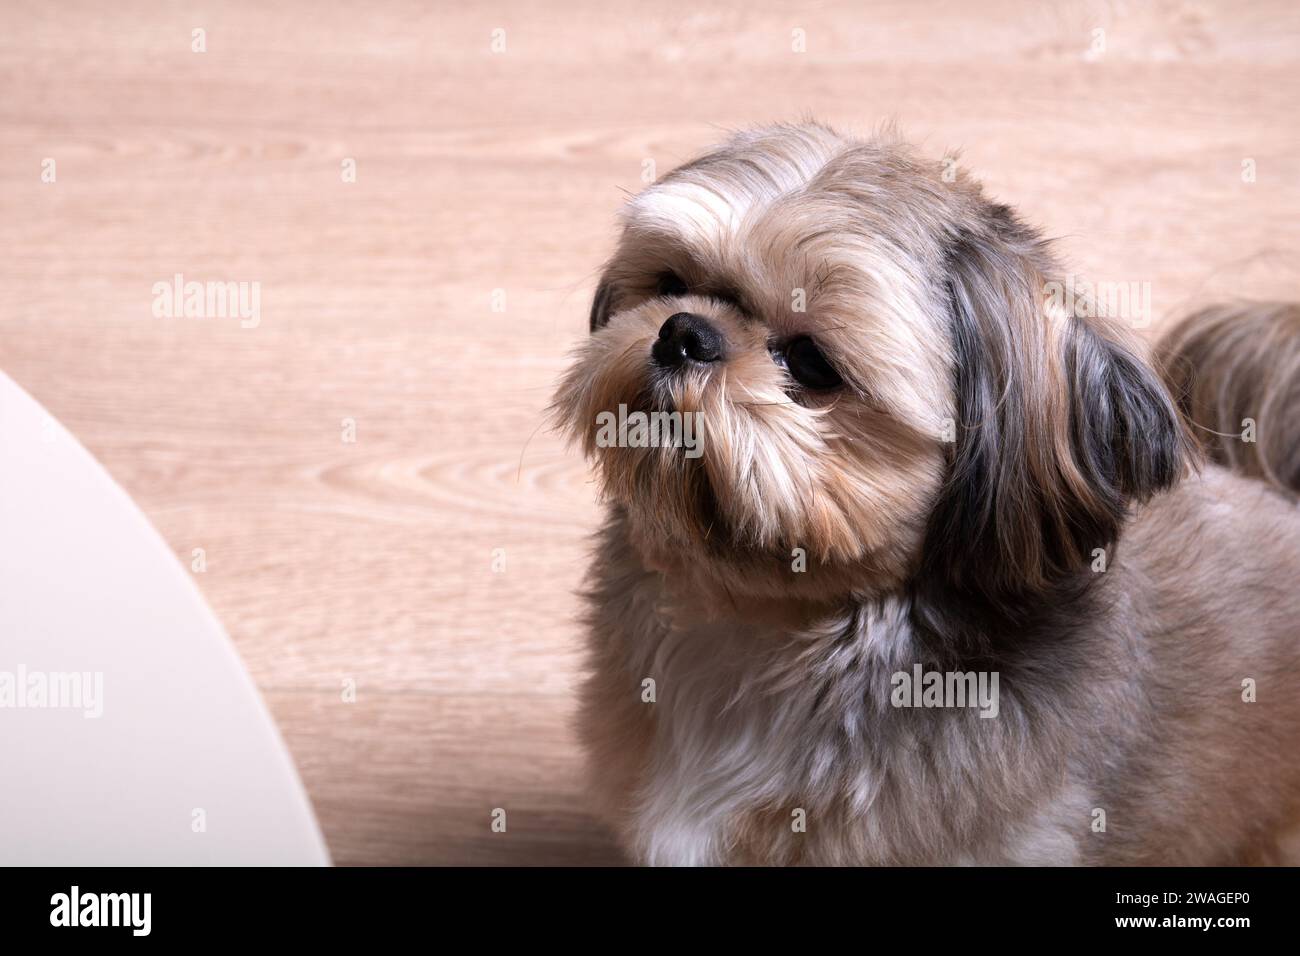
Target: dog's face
878,373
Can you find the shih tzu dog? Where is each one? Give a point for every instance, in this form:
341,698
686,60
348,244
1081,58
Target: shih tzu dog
910,560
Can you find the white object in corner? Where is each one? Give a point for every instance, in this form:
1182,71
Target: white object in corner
159,751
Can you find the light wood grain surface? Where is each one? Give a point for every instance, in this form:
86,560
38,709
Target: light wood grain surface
371,561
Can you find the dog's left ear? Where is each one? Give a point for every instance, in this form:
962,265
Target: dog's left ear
602,304
1060,425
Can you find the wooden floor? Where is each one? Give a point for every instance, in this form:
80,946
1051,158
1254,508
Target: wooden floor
486,178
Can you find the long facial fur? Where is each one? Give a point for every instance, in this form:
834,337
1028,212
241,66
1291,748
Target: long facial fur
931,301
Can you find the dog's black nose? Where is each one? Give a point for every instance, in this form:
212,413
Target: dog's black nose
687,337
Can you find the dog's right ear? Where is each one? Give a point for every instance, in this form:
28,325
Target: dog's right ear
602,306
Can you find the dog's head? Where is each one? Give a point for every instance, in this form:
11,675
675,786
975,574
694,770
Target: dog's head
862,375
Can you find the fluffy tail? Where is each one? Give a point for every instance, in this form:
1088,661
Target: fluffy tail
1235,372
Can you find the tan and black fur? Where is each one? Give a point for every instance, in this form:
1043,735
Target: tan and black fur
999,485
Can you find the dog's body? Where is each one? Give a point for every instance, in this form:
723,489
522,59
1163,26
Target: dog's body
1136,709
1140,616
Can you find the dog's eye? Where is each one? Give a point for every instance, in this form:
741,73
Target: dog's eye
670,283
807,366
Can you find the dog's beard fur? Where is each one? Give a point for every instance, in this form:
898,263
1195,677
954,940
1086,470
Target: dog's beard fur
779,471
971,415
951,497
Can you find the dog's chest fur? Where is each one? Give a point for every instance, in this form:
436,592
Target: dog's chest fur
757,743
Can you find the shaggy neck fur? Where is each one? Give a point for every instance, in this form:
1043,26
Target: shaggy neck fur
752,722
